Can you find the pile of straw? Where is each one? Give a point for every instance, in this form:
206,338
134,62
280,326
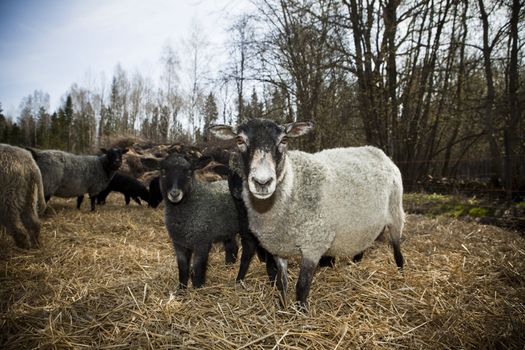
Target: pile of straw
108,280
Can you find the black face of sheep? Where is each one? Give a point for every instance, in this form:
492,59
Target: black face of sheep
263,146
176,177
114,157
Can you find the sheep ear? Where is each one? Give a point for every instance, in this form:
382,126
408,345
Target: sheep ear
33,151
103,150
151,163
223,132
201,162
125,150
298,128
222,170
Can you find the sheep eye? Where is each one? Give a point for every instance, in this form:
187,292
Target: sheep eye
284,140
240,141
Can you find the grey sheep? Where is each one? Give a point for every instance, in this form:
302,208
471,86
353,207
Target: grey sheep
21,196
68,175
335,202
196,214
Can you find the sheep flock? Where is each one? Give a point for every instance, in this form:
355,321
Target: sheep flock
108,279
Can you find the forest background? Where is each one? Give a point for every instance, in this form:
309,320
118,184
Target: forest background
437,84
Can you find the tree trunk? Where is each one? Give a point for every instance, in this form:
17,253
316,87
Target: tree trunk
490,130
514,115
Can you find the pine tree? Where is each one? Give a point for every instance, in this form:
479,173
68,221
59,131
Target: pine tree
68,122
4,126
255,106
211,114
15,135
55,132
164,124
60,129
43,128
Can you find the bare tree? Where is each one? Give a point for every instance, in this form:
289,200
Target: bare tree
196,65
241,40
170,88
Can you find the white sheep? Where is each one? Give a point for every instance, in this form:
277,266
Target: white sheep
335,202
21,195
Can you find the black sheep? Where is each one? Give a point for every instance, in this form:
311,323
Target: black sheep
196,215
128,186
155,196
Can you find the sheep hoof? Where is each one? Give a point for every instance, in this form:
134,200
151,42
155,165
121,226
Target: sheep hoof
300,307
282,300
242,284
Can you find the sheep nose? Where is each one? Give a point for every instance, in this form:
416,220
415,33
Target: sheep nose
175,195
263,182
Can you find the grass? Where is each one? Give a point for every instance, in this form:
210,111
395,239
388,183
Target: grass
456,205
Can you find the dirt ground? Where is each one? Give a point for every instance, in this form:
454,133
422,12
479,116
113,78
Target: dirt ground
108,280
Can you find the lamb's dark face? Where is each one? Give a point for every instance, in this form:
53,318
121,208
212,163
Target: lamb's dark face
177,176
263,145
114,156
175,179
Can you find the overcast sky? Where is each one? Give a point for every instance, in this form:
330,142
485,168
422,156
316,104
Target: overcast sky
50,44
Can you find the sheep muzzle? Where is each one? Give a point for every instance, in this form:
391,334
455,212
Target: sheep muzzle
175,196
262,177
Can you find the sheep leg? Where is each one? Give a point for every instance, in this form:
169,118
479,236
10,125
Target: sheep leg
47,198
262,253
357,258
101,197
271,267
395,239
397,254
79,201
230,251
127,198
200,265
396,226
249,245
306,274
327,261
32,226
183,263
17,230
282,278
93,198
137,200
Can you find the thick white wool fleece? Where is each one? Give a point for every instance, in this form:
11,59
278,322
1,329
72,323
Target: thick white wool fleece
335,202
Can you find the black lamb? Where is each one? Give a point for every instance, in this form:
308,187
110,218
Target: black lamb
196,214
155,196
128,186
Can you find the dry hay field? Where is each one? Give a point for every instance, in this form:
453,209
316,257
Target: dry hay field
107,280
